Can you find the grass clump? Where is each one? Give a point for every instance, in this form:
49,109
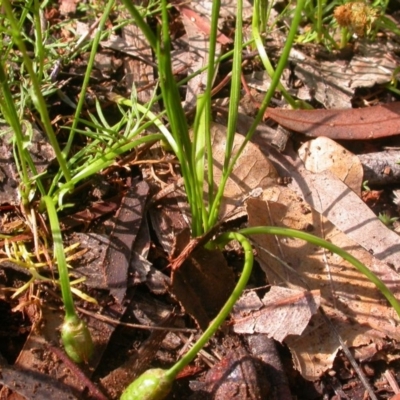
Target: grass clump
194,154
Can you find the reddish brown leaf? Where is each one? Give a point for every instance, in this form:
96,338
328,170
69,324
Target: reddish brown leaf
203,24
350,124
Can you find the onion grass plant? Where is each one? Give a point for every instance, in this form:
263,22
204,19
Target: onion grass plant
195,152
75,334
156,383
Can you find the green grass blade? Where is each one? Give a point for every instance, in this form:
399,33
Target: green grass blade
36,93
274,83
201,136
256,22
25,159
226,309
85,84
234,97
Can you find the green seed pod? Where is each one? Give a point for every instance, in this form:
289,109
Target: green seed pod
153,384
76,338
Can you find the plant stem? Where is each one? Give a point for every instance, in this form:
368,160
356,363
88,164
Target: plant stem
274,230
39,45
86,79
202,137
60,257
74,333
202,154
280,67
344,37
176,116
141,23
319,20
10,114
103,162
274,83
234,98
226,309
264,56
36,92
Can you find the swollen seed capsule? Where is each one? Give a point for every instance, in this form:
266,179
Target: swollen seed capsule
76,338
153,384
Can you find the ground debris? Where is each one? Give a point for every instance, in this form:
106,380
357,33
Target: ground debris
239,375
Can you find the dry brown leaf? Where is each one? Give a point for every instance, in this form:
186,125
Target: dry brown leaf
237,376
68,7
228,8
326,81
349,213
373,64
23,384
348,124
323,154
137,73
331,197
280,313
332,81
112,259
201,279
40,150
202,24
252,170
355,306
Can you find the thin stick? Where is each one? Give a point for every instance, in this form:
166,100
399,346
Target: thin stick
350,357
112,321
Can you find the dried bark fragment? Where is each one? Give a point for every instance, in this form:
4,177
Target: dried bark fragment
381,168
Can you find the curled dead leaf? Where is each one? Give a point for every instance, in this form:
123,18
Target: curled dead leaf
349,124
